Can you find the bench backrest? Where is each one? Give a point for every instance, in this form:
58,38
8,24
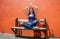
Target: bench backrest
26,20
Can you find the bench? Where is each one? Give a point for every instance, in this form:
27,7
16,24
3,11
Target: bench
16,27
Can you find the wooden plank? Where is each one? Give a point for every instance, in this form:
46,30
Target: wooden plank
34,28
41,20
18,27
26,20
23,20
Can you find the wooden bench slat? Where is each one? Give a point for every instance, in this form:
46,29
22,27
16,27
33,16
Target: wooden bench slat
34,28
26,20
18,27
23,20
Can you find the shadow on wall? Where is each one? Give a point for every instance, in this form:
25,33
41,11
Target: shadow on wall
41,32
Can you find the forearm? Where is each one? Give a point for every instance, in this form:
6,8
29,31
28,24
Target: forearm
27,7
35,8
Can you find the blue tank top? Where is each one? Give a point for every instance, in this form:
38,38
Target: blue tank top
31,17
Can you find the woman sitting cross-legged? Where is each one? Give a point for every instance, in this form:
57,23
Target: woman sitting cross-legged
30,10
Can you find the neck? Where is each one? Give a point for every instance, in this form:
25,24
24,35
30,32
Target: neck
31,12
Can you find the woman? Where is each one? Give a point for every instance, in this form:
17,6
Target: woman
31,10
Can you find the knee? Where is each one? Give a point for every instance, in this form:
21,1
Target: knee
35,21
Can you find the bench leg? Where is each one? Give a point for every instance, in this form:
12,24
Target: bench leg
37,33
20,33
45,34
16,34
15,31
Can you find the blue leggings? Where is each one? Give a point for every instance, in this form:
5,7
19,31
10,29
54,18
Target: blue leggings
29,25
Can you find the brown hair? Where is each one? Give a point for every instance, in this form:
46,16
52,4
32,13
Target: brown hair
32,12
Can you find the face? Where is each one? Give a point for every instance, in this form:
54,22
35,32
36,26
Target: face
31,10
